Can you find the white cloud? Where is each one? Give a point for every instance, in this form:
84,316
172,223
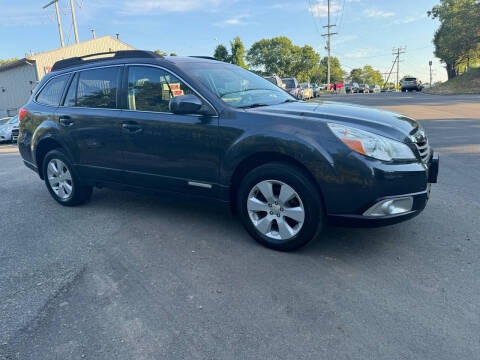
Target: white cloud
320,9
410,19
343,39
378,13
165,6
358,53
236,20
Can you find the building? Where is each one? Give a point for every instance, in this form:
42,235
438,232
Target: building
19,78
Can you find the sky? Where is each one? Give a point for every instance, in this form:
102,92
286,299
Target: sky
368,30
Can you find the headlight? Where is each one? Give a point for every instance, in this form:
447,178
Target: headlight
372,145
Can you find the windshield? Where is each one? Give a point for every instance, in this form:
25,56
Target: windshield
410,79
236,86
289,83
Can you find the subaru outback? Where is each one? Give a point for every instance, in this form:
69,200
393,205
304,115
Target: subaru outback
204,128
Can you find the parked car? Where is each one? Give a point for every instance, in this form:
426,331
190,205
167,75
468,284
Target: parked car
411,83
275,79
206,128
374,89
293,87
307,91
364,88
15,130
352,88
6,129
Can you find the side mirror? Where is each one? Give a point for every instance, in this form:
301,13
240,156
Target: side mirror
185,104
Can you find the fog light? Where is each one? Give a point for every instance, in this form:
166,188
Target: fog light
390,207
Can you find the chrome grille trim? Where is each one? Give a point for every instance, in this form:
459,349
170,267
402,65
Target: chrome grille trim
422,146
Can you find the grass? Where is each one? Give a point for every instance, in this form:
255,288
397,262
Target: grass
468,83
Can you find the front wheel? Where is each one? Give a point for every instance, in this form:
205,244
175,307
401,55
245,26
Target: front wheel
280,206
62,180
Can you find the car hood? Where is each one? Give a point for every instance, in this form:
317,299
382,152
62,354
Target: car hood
382,122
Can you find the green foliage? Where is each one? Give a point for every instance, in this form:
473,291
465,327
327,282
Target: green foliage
163,53
371,76
160,52
336,72
367,75
457,40
280,56
221,53
238,52
4,62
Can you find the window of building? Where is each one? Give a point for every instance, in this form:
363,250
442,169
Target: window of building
51,94
150,89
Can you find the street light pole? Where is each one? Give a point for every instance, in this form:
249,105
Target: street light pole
430,64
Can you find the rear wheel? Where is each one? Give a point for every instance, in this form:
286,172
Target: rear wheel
62,181
280,206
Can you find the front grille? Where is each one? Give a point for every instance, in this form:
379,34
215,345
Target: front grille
421,142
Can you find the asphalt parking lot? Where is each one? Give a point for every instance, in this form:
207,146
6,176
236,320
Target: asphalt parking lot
132,276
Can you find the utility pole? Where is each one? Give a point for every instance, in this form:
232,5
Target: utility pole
430,64
74,21
397,52
93,33
328,34
58,20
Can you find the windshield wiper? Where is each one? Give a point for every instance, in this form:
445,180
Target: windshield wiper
288,100
253,106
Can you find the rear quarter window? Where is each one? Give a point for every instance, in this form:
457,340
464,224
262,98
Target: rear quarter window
51,93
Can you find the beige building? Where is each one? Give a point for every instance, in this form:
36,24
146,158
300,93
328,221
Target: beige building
19,78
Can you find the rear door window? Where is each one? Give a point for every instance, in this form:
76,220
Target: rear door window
71,97
51,94
97,88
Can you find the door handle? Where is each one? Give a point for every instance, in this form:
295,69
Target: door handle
65,120
132,128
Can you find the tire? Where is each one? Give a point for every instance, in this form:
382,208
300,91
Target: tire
274,221
78,193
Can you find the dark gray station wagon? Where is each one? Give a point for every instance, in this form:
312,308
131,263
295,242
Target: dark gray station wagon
196,126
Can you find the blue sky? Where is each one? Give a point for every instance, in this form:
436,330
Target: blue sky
368,29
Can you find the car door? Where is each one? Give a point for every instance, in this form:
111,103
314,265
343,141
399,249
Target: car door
165,150
90,125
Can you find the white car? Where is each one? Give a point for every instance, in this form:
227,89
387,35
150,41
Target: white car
6,128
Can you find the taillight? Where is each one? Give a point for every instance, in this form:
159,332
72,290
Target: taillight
21,114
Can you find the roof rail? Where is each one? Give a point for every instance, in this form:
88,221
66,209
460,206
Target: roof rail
121,54
204,57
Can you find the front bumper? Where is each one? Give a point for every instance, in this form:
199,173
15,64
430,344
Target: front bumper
420,199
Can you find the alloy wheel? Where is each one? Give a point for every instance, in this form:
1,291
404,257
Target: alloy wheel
60,179
275,209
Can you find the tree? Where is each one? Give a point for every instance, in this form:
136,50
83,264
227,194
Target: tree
280,56
173,54
275,56
238,52
356,75
371,76
366,75
457,40
4,62
221,53
336,72
159,52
